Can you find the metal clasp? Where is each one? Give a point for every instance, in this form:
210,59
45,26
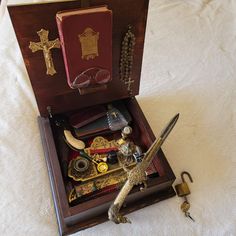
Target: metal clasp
49,109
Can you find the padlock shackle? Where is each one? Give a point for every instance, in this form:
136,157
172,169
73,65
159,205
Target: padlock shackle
189,176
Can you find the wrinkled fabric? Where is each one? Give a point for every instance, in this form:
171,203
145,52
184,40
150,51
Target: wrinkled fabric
3,6
189,66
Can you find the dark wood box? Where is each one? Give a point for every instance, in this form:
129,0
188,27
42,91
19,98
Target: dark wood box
53,91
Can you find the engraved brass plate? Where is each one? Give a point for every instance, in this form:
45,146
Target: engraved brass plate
88,187
92,174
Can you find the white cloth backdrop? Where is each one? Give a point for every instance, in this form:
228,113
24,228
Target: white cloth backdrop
189,67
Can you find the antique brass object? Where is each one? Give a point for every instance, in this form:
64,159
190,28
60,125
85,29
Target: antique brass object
183,191
80,169
102,167
185,206
81,165
89,43
137,175
93,173
114,179
98,167
72,196
46,46
126,131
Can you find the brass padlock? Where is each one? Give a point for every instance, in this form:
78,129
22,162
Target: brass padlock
183,189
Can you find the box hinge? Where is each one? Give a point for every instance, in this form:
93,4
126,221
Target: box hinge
49,109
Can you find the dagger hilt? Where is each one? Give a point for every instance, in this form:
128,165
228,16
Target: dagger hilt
137,175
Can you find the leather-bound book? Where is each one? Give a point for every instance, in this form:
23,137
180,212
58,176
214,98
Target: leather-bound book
87,115
86,40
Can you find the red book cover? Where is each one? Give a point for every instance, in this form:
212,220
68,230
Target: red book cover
86,40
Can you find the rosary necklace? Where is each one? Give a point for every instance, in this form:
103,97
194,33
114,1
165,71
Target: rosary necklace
126,61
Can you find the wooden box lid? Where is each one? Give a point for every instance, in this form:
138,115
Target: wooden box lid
53,90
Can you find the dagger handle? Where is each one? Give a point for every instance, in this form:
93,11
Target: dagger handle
113,212
123,194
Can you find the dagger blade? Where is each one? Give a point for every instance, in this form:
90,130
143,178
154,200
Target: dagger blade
160,140
166,131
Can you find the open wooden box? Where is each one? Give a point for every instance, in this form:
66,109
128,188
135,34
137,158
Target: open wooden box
55,93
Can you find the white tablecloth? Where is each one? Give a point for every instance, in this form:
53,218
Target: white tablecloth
189,67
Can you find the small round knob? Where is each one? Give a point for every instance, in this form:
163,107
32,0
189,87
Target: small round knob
127,130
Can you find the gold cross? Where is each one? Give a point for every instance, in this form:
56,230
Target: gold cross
45,45
128,83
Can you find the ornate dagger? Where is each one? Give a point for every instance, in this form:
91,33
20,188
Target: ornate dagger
137,175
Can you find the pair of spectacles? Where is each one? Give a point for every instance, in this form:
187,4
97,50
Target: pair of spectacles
92,76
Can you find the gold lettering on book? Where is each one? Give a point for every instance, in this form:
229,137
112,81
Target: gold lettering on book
89,43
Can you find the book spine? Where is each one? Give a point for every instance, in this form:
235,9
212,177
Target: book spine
60,30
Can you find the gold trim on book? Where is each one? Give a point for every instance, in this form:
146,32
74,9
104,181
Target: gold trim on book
38,3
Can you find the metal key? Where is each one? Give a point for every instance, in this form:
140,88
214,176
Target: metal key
185,207
187,214
183,191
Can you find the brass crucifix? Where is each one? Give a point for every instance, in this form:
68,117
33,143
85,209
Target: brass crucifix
45,45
